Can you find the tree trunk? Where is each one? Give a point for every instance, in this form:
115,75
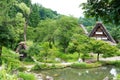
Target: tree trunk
98,57
25,30
78,55
0,54
83,59
65,50
0,50
53,41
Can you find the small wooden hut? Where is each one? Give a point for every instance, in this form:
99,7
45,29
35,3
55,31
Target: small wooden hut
21,50
99,32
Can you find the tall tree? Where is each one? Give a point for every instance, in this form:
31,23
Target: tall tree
26,12
45,31
27,2
66,27
6,34
34,16
47,13
107,10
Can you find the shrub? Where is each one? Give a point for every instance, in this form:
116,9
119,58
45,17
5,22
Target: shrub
10,58
118,45
78,65
22,68
45,66
114,63
28,59
33,50
5,74
86,65
39,67
118,77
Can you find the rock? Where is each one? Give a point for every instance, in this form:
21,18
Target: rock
87,71
57,59
80,60
39,76
49,78
79,74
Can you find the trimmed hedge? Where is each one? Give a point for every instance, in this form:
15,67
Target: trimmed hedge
85,65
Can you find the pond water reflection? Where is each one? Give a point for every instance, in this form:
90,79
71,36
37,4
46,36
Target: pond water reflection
82,74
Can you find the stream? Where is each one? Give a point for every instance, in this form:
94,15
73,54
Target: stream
82,74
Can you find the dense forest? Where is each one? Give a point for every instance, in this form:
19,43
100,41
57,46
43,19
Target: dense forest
48,35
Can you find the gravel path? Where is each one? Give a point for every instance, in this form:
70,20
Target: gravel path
110,58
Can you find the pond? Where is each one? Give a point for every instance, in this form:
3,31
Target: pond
82,74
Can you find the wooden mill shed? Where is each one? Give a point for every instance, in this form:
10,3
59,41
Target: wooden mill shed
99,32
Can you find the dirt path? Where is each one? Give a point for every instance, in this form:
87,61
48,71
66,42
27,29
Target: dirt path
0,67
110,58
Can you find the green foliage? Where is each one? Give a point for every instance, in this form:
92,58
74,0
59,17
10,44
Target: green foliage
46,66
85,65
25,9
118,45
34,50
27,2
9,31
42,52
39,66
45,31
71,57
81,45
26,76
100,47
78,65
34,16
45,50
87,21
114,63
26,12
67,26
118,77
110,51
39,12
47,13
68,57
98,8
10,58
21,69
5,75
115,32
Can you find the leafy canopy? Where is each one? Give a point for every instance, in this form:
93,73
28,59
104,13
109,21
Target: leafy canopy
107,10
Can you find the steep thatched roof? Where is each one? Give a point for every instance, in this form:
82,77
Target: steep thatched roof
99,24
84,29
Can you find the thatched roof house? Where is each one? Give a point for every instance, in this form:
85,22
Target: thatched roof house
99,32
